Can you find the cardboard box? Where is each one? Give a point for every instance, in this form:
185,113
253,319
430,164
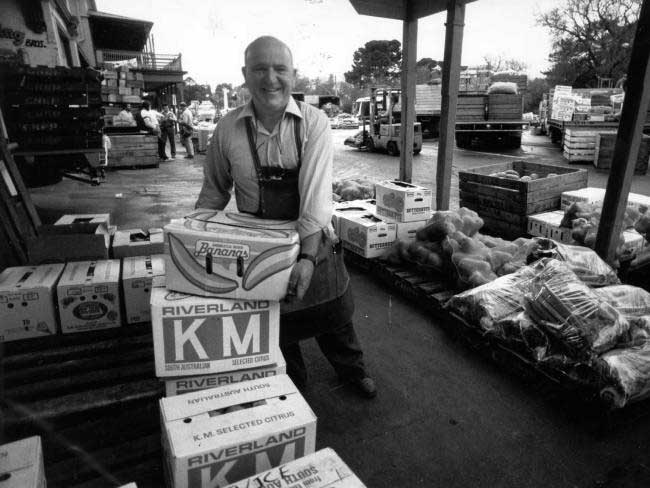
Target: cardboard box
402,201
70,242
130,485
353,207
597,196
230,255
137,277
69,219
322,469
138,242
27,301
199,335
21,464
89,296
367,235
547,224
406,230
186,384
204,447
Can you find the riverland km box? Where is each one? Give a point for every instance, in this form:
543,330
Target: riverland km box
219,436
186,384
201,335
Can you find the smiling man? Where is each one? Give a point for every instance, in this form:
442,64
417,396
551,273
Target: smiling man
277,154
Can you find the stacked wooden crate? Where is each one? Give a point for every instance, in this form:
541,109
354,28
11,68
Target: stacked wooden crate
604,152
580,144
505,204
503,106
470,108
133,150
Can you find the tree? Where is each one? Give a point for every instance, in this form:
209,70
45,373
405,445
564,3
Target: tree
427,70
591,40
376,63
498,62
194,91
535,93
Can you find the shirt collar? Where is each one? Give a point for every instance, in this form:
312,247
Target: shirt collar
291,108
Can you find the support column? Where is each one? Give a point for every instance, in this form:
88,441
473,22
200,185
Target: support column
450,82
628,139
409,57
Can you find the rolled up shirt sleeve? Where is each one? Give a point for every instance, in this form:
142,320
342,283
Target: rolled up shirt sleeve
315,180
217,179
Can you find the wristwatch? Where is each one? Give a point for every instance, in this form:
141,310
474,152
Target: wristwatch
308,257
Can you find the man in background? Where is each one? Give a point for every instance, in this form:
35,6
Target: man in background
186,128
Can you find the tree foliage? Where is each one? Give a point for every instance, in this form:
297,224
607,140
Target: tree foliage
499,62
376,63
591,39
535,93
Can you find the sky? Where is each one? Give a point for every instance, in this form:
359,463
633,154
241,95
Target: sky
324,34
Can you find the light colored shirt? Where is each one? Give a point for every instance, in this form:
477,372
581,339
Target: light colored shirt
150,118
187,118
229,162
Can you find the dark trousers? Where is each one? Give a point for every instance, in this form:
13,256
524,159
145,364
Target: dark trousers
161,147
168,135
331,325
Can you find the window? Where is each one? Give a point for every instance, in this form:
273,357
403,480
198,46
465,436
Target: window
65,47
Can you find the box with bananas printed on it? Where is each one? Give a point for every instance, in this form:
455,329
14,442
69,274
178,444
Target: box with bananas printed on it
230,255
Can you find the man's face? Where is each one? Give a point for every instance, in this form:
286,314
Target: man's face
270,76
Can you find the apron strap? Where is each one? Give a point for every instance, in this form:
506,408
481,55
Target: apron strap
251,144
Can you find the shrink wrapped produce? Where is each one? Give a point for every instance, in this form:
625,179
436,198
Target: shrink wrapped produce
348,190
503,87
627,299
583,261
567,308
519,329
493,301
627,374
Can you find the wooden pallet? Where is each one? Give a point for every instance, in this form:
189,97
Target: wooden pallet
93,398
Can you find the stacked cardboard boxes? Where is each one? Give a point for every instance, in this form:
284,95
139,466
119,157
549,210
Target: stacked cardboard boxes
122,86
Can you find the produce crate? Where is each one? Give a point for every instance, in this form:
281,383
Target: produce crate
133,150
504,204
604,152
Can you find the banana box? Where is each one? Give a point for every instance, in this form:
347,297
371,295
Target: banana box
230,255
138,242
321,469
186,384
352,207
70,219
200,335
137,281
219,436
89,296
21,464
403,202
367,235
27,301
130,485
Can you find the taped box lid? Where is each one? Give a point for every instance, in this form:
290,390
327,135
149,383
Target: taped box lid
143,266
30,277
234,219
136,237
321,469
90,272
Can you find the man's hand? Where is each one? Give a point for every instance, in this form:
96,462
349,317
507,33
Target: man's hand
299,279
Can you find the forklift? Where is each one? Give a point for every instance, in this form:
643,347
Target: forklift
383,129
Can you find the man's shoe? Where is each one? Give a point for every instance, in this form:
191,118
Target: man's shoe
189,157
365,386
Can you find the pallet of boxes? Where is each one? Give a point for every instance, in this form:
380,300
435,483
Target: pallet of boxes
129,147
230,412
370,227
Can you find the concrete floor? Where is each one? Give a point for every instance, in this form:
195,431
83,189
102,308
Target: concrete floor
444,416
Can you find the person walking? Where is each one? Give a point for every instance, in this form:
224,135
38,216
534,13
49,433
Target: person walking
277,154
186,128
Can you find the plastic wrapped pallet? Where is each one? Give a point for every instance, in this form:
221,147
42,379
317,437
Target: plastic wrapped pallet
628,372
627,299
571,311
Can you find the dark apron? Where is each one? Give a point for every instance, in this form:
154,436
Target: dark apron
279,198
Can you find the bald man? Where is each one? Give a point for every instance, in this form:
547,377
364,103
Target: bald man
277,155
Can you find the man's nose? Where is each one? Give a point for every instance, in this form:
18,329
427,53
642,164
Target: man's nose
271,75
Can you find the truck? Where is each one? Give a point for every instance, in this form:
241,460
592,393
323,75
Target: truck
427,107
380,132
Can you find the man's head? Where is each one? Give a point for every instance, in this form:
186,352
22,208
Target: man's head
182,105
146,106
165,108
269,74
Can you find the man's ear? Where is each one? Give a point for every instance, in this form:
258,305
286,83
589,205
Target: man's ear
243,72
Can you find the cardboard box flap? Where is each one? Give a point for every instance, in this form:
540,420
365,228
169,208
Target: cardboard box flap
243,220
137,236
30,277
143,266
91,272
103,218
204,401
20,454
